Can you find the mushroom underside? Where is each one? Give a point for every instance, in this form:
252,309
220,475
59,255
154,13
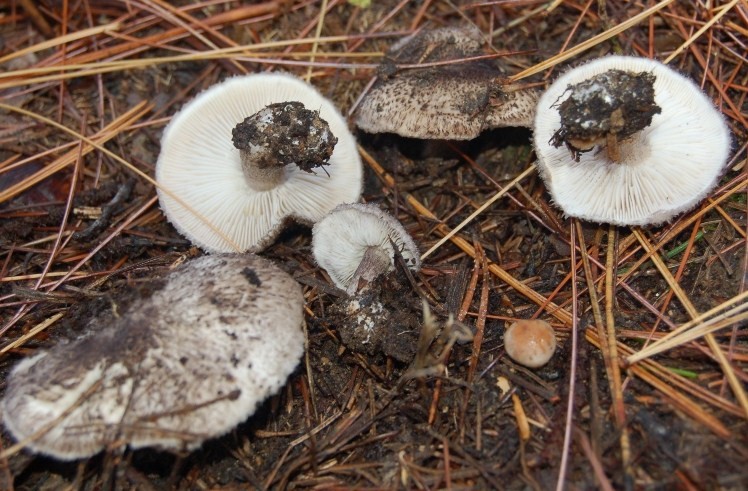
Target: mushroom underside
665,169
203,190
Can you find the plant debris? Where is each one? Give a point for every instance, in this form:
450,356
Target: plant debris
606,109
432,401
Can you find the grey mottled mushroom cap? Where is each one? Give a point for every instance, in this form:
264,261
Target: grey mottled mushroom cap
188,364
455,101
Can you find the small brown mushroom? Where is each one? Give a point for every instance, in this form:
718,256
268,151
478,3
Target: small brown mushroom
530,342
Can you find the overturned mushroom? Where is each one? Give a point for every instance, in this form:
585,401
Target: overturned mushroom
355,243
454,101
628,141
291,157
187,364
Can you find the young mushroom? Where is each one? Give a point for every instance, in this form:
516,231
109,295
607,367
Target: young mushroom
187,364
453,101
628,141
356,242
250,153
530,342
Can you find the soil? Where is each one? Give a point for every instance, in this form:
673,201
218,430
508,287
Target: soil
430,399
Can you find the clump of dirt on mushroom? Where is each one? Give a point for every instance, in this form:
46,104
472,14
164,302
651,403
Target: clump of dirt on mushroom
607,108
285,133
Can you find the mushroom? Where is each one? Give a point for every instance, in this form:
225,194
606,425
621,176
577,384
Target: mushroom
454,101
187,364
234,196
355,243
628,141
530,342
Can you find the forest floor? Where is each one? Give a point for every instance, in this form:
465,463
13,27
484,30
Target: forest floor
420,411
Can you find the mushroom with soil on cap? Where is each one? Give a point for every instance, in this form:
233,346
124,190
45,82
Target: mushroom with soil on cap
628,141
291,157
187,364
452,101
530,342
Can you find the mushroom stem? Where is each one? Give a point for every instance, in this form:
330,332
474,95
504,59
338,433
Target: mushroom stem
375,262
278,135
614,153
261,178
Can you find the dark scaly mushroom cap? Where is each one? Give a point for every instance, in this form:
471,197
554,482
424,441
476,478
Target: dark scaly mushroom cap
455,101
187,364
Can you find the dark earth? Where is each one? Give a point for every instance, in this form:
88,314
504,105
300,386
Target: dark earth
614,104
293,135
431,401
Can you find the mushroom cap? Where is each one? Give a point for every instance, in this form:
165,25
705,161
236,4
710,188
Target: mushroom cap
453,101
343,236
199,164
530,342
665,169
187,364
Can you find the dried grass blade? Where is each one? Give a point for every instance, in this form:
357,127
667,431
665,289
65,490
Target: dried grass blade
704,28
478,211
59,40
590,43
229,17
619,409
679,400
129,166
31,333
696,328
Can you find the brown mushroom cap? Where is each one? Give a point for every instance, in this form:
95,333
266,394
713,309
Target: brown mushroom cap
530,342
453,101
187,364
